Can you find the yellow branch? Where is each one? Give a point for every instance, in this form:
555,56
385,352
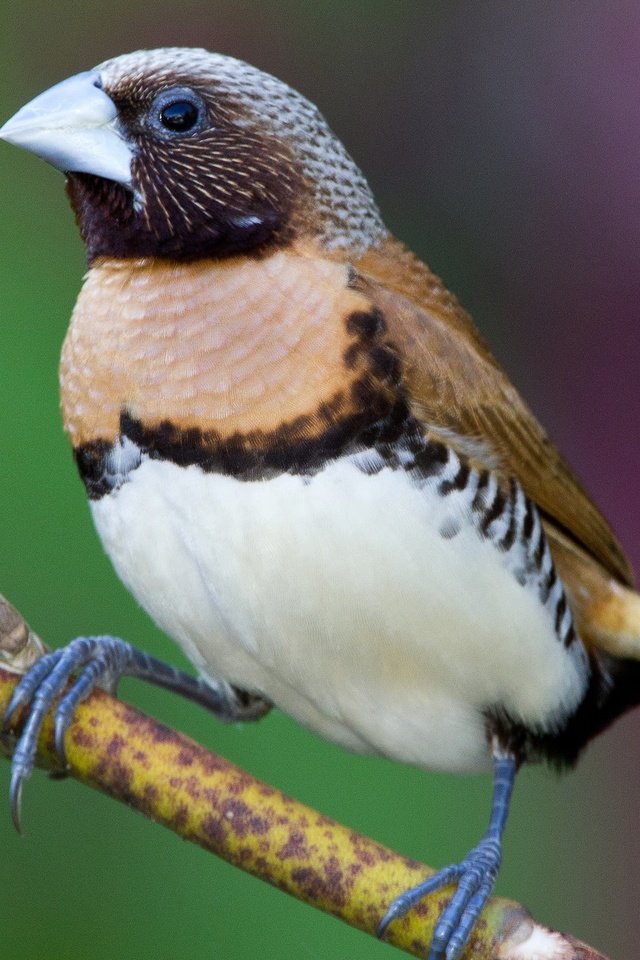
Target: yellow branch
206,799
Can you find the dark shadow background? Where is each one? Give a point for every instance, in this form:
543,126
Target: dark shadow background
503,143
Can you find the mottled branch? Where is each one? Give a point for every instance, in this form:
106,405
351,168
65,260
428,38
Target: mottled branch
205,799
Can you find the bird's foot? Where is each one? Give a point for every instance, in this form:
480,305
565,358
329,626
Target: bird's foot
475,877
104,659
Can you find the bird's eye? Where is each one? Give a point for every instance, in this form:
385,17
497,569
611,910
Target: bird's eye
179,116
176,111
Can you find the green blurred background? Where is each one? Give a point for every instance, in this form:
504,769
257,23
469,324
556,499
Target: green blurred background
503,143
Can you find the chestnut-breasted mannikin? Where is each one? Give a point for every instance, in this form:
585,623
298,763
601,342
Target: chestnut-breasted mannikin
302,458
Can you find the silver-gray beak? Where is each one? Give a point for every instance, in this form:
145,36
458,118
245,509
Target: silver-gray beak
74,126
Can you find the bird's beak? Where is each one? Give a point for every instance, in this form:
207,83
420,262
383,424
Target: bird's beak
74,126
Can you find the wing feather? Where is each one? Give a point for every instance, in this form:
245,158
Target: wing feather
457,387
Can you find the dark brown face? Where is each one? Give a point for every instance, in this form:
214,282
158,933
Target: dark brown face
206,182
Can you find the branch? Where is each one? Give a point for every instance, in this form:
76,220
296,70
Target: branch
204,798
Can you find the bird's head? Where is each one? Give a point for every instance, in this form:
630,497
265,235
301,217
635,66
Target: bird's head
180,153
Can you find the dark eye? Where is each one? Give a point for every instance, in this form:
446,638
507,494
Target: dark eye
180,116
177,110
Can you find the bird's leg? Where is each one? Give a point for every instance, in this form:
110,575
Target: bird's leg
474,877
103,660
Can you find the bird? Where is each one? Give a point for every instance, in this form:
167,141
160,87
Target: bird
304,461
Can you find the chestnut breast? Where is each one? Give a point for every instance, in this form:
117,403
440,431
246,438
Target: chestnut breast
239,346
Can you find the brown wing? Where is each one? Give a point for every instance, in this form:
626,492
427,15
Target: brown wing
458,388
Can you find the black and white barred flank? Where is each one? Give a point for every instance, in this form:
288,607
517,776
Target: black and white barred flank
506,518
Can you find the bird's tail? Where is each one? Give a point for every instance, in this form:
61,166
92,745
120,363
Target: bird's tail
607,618
606,612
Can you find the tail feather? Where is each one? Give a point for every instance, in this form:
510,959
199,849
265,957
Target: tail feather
606,613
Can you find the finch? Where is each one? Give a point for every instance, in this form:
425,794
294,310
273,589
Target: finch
303,460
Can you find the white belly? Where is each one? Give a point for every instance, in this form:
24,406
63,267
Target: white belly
338,597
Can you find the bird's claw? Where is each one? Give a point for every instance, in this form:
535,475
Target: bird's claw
104,660
475,877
